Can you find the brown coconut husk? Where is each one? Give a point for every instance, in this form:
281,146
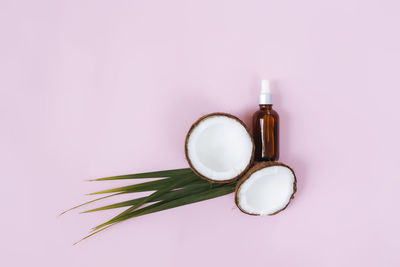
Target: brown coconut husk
258,166
195,125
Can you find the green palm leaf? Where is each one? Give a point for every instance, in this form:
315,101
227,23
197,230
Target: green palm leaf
175,188
157,174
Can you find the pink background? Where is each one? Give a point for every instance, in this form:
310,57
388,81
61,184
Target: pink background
100,88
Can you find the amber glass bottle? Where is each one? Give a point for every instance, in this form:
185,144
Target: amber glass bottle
266,128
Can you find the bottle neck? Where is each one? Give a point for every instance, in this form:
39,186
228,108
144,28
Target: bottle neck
266,106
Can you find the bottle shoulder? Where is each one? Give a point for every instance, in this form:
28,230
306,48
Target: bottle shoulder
266,112
274,113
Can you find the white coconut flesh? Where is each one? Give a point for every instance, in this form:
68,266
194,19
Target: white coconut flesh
266,191
219,148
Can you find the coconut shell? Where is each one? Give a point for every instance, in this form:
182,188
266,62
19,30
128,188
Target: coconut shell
195,125
258,166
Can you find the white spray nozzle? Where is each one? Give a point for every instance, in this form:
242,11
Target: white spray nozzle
265,95
265,87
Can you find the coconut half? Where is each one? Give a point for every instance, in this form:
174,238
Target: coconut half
219,147
266,189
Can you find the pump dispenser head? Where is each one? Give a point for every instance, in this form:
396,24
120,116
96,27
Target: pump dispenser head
265,95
